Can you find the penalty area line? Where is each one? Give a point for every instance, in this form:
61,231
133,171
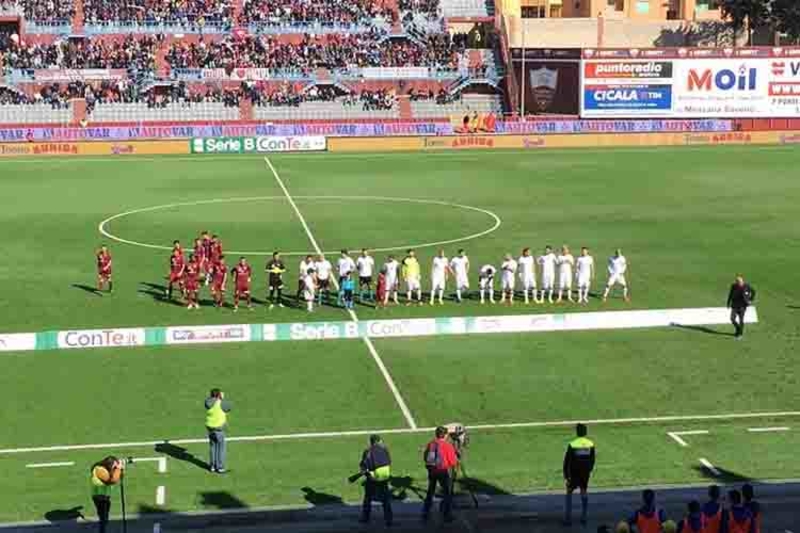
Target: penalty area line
401,431
353,316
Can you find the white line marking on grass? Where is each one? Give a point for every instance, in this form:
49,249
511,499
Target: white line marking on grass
103,226
768,430
370,347
677,439
50,465
711,468
400,431
676,435
161,495
162,462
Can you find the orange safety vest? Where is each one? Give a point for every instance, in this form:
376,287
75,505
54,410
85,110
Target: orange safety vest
738,527
648,524
712,523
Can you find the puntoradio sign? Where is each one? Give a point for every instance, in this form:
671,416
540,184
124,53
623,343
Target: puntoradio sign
241,145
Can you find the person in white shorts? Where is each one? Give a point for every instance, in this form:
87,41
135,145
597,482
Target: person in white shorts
323,268
547,262
365,265
509,272
585,274
617,268
527,275
309,287
345,266
486,282
390,269
439,272
459,265
565,262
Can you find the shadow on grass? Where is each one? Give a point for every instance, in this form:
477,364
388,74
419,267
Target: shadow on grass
320,498
723,476
158,292
401,486
221,500
479,486
703,329
64,515
145,509
87,288
181,454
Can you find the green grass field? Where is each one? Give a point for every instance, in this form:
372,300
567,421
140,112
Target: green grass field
687,219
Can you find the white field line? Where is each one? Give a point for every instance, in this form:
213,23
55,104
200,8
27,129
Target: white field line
677,439
768,430
50,465
161,495
711,468
371,347
401,431
676,435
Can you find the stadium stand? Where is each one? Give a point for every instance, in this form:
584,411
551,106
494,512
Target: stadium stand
466,104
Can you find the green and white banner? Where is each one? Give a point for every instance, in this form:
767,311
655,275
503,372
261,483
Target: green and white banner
375,329
270,144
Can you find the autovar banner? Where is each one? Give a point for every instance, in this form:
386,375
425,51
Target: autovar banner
240,145
683,83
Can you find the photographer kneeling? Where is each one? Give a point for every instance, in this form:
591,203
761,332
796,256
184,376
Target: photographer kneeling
376,467
105,475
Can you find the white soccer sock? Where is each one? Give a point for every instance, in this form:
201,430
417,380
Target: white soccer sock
441,295
482,295
525,292
491,294
458,294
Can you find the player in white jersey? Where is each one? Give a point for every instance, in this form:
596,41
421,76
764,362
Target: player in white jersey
309,288
547,262
344,266
459,265
365,265
439,273
391,269
509,272
486,282
302,271
527,275
617,267
323,268
565,262
585,273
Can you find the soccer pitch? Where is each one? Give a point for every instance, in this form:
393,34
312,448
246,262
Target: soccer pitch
687,220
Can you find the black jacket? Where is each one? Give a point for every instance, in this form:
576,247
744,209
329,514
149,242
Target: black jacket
374,457
741,296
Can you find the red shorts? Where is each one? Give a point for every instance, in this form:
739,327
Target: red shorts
175,277
242,289
217,287
191,285
380,292
105,274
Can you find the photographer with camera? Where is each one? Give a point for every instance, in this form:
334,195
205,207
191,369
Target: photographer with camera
376,468
217,409
105,475
440,460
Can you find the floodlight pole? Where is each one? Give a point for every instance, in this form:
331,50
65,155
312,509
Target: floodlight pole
523,73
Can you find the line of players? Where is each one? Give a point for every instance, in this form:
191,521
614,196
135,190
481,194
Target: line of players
315,276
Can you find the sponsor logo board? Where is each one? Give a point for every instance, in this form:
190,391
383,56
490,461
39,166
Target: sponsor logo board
101,338
240,145
628,97
207,334
17,342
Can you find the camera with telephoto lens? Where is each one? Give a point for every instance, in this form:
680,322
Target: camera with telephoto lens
457,434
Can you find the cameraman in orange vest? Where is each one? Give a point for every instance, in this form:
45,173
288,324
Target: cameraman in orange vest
440,460
712,511
648,518
739,519
752,504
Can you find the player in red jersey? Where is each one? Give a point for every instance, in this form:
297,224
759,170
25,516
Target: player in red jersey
380,290
191,282
177,265
242,274
219,282
176,248
104,269
214,253
201,257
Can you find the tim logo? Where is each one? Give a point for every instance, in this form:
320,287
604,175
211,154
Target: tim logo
744,79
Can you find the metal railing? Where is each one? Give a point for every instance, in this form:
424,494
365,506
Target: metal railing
153,27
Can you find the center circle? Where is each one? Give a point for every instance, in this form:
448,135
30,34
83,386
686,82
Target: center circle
104,229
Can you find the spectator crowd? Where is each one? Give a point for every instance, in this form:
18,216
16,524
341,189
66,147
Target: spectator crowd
185,13
41,11
329,51
138,52
310,11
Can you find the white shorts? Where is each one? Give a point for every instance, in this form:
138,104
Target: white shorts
308,295
617,279
462,281
412,284
528,281
548,280
565,282
487,283
508,282
391,284
584,281
438,282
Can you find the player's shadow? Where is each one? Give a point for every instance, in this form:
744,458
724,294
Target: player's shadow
703,329
87,288
793,307
221,500
64,515
478,486
145,509
401,486
723,476
158,292
181,454
320,498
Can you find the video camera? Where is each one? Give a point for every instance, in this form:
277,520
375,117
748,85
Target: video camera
457,434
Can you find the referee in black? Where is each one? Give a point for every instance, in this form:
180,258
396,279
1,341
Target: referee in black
740,297
578,465
275,268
